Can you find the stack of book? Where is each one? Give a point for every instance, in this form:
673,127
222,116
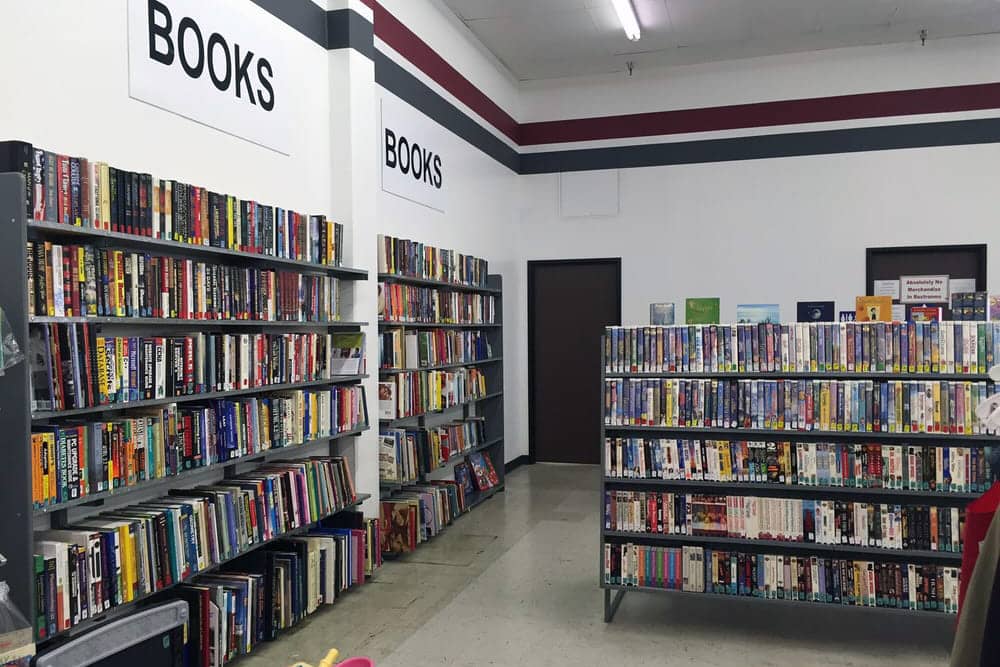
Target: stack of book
85,193
411,393
71,461
122,556
412,259
405,350
405,454
805,347
417,513
860,583
944,469
74,367
879,525
880,406
84,280
430,305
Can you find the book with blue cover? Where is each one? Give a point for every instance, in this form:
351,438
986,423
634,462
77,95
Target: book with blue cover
815,311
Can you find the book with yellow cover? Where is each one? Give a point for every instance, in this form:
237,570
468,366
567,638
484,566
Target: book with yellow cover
873,308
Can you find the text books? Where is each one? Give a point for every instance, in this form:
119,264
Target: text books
411,393
430,305
405,454
403,350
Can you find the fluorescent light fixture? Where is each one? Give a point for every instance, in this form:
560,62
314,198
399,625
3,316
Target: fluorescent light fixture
626,15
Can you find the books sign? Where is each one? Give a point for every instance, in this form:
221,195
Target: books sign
923,289
412,165
218,63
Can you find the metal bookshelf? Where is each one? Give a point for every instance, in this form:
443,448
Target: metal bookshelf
614,593
489,406
16,419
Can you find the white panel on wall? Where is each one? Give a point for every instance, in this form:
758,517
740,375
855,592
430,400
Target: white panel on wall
219,63
589,193
413,166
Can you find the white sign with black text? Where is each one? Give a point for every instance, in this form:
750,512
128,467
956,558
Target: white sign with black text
923,289
220,63
412,165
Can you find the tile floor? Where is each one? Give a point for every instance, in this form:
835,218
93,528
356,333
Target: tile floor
515,583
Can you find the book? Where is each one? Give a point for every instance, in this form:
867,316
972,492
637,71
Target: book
348,353
994,307
814,311
387,401
93,194
186,532
924,314
701,310
845,347
846,316
661,313
410,393
408,349
483,475
402,257
757,313
873,309
464,479
864,583
432,305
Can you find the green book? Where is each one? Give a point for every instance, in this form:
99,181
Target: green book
701,311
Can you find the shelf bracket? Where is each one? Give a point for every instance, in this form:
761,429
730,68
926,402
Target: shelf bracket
611,605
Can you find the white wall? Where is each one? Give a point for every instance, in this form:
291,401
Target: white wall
763,231
65,77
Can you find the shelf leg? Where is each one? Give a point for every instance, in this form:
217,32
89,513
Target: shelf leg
611,605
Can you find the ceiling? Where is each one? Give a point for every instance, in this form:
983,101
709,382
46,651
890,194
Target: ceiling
540,39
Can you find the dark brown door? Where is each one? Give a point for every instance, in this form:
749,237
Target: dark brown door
569,304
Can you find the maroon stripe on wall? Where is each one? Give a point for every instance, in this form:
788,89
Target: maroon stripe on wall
392,31
764,114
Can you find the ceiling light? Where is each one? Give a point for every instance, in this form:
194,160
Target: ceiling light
626,15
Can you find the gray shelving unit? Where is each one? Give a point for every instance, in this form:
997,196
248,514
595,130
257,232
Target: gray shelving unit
16,418
614,593
489,406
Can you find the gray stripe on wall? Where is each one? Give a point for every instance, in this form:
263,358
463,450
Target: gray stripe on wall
828,142
417,94
346,29
304,15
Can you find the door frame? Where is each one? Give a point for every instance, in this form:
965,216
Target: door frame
534,264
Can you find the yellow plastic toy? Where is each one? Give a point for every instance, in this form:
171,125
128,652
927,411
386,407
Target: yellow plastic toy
331,658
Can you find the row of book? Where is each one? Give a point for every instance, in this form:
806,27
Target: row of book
888,406
73,367
91,194
875,525
430,305
402,257
859,583
405,454
256,597
827,464
118,557
403,350
71,461
411,393
805,347
77,280
417,513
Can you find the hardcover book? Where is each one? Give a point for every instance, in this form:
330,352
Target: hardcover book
701,310
814,311
386,400
661,314
994,307
924,314
348,354
873,309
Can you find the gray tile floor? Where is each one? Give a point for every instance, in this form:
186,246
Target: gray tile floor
515,583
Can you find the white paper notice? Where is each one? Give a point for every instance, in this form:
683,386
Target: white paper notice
923,289
888,288
898,312
959,285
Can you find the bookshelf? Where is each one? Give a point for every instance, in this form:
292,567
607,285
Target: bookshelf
734,485
17,420
488,406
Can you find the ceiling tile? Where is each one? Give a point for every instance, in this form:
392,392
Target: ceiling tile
707,21
479,9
